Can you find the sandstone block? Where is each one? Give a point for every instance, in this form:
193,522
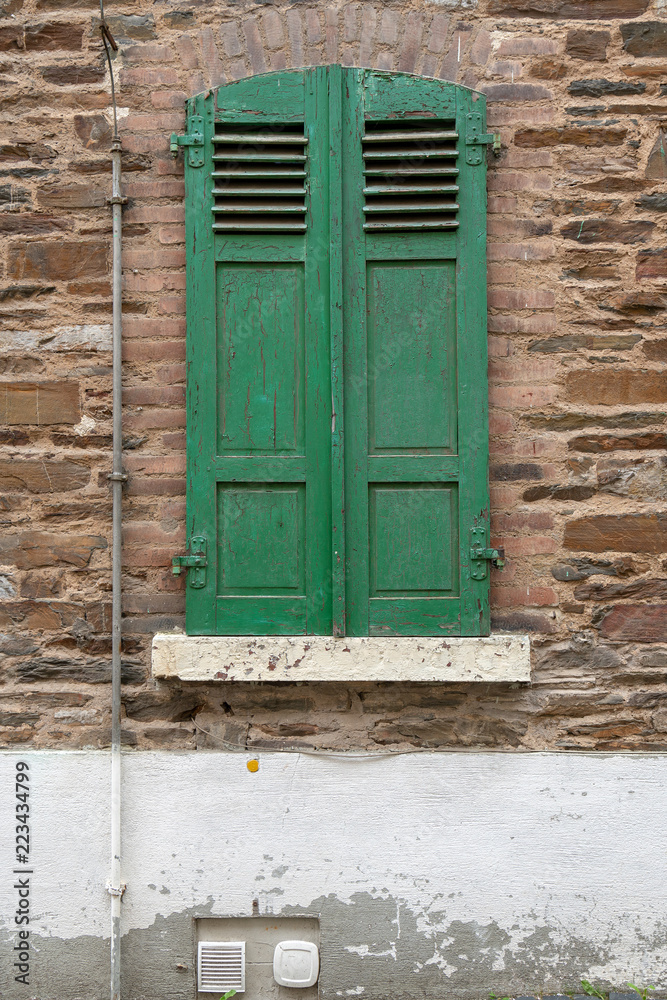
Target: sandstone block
516,92
94,131
564,136
49,615
655,350
447,732
642,303
254,44
66,76
520,298
651,264
142,76
608,442
642,589
588,10
618,533
58,261
636,623
39,476
154,603
32,224
32,549
26,151
411,46
589,272
188,52
548,69
56,35
588,45
518,597
71,196
11,37
605,231
39,403
611,388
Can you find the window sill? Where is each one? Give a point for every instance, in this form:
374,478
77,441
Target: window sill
322,658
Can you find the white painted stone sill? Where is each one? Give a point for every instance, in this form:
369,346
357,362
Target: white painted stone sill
323,658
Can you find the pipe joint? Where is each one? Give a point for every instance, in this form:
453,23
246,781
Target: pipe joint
116,890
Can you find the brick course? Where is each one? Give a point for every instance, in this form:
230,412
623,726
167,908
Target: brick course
577,219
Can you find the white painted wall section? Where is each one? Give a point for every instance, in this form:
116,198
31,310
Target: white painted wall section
451,875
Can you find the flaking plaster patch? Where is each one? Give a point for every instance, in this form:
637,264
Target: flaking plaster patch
84,426
455,960
494,658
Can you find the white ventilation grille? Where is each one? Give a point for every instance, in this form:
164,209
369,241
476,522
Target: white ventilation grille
221,966
410,176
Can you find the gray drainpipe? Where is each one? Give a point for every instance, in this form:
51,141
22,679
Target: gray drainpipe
115,887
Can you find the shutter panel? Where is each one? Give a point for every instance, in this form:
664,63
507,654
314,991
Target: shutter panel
259,398
337,422
415,359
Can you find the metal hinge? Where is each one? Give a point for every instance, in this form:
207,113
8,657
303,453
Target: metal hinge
194,140
476,138
196,562
480,555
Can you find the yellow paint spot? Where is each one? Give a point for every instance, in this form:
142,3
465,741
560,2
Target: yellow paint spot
253,765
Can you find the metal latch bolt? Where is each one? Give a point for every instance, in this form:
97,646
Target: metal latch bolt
193,140
196,562
481,555
476,138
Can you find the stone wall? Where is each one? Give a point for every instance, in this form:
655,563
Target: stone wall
577,273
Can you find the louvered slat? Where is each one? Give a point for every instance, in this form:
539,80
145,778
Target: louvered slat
397,156
412,189
259,179
396,170
396,135
221,966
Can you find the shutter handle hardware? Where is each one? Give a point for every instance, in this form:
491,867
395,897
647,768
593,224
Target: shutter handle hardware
193,139
480,554
196,562
475,139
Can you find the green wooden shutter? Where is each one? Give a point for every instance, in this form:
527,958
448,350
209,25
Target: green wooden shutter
337,351
415,361
259,396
